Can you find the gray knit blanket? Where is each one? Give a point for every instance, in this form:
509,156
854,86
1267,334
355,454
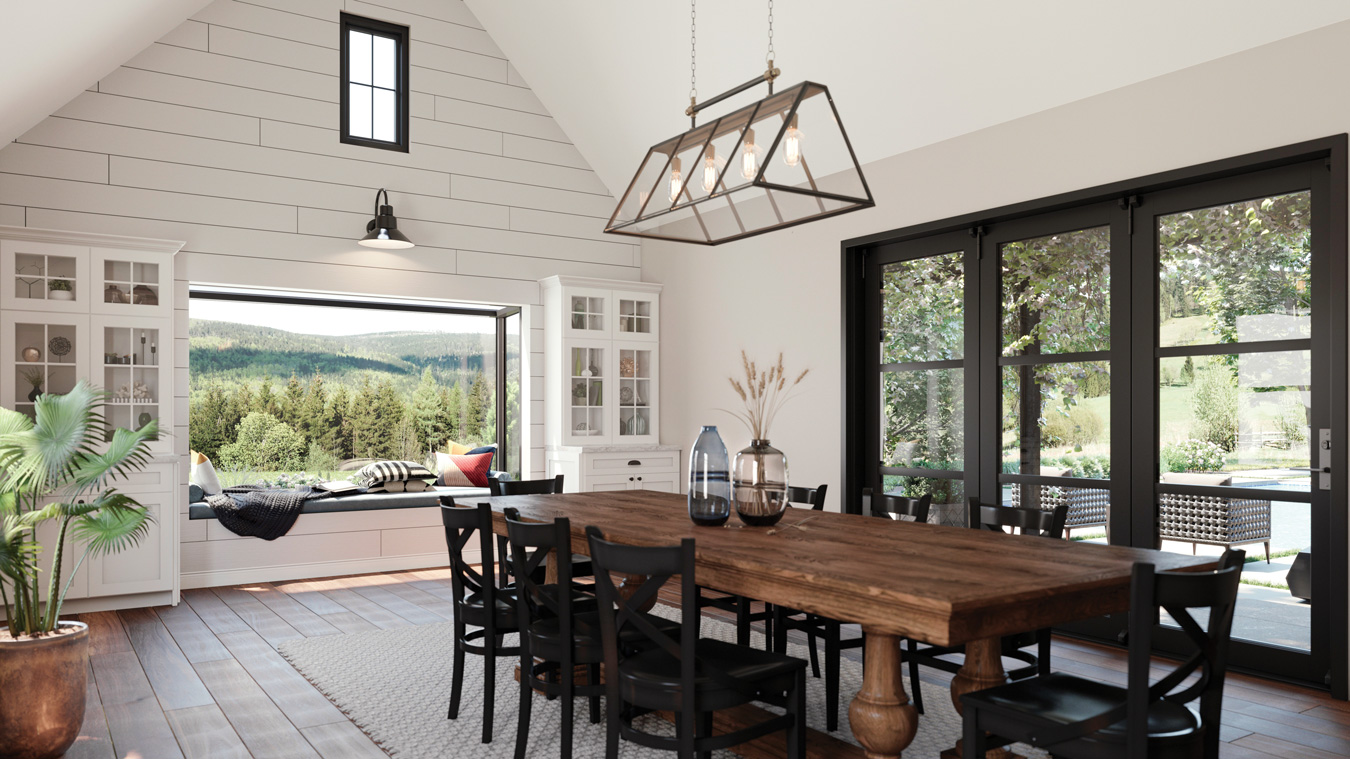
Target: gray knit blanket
256,512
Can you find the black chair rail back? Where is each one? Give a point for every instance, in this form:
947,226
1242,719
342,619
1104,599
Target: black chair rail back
528,566
525,487
1044,523
461,524
890,506
815,497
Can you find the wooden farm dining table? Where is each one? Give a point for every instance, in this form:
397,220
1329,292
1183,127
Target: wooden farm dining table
940,585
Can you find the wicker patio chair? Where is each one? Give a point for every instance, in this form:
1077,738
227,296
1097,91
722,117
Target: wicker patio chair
1212,520
1087,506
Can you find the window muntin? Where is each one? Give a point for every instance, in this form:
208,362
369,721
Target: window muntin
374,83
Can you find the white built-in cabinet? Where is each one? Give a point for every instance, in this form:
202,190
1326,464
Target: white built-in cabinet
602,383
100,308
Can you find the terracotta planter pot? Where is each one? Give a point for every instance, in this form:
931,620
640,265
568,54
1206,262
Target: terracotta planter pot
44,682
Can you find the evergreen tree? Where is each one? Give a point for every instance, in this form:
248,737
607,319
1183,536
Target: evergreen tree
1188,371
310,421
451,424
389,414
292,399
363,421
337,424
476,409
207,420
266,402
427,412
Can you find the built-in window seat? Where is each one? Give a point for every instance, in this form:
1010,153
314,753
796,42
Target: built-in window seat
352,534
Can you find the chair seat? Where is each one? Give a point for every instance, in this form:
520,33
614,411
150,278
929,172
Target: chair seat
1060,699
504,615
651,679
587,648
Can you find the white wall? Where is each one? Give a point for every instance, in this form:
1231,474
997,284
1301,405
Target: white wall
224,134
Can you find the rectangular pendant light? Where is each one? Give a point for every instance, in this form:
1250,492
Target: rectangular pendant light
747,173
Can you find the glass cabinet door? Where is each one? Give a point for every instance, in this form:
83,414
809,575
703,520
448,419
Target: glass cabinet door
637,402
43,353
588,420
587,312
130,283
42,276
128,363
636,316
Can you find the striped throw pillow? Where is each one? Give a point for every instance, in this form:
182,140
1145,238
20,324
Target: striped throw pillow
380,472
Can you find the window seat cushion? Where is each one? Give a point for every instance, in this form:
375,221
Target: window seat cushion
364,502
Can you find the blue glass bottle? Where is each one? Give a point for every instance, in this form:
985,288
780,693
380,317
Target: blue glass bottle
709,480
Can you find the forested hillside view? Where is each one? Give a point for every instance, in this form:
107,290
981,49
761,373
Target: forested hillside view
265,399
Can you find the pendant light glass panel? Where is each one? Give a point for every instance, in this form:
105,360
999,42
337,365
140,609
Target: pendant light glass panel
814,155
825,181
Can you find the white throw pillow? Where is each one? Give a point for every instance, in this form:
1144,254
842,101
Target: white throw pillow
203,474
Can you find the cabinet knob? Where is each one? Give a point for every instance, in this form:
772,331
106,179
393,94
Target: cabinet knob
630,479
639,479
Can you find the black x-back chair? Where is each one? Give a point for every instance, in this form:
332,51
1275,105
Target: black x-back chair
886,506
1027,521
1084,719
691,676
558,631
581,564
741,606
478,602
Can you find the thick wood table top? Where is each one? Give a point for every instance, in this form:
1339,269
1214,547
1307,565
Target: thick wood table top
942,585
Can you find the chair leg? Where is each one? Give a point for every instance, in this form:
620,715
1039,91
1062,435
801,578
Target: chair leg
489,686
567,678
1267,551
685,733
526,701
613,715
832,676
768,626
796,706
1194,546
705,730
1043,652
972,737
912,649
811,644
457,679
779,630
742,621
593,678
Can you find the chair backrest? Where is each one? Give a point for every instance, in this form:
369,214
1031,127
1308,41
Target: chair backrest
461,524
1177,593
531,545
894,506
525,487
1048,524
815,497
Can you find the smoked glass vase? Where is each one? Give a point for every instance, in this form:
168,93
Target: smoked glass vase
759,483
709,480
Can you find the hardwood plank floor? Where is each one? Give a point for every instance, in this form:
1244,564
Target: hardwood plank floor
147,666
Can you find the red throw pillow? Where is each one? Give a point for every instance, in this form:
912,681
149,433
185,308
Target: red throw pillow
467,471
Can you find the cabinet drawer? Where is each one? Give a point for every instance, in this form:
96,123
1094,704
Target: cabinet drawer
616,463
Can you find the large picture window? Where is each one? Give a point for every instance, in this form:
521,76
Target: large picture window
291,385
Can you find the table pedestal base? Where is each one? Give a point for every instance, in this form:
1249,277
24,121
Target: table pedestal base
882,718
982,669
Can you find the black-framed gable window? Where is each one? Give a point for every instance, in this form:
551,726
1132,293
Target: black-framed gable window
374,83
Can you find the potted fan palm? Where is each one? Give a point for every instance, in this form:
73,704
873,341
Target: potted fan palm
54,475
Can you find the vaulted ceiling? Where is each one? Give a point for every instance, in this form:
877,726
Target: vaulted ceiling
51,51
903,73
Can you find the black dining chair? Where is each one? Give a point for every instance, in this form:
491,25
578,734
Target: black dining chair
1084,719
581,564
478,602
830,630
1027,521
561,630
742,606
692,676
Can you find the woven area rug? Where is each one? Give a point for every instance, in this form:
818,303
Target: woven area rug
395,685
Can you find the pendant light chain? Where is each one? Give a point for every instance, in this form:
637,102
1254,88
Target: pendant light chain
693,90
769,56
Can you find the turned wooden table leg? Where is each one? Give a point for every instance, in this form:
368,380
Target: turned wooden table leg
982,669
882,718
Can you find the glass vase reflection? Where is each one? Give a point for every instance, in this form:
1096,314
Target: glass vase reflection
760,484
709,480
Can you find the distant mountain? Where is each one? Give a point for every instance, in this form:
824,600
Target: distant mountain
231,354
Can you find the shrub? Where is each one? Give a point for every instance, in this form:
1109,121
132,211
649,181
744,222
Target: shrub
1293,422
1188,371
1216,408
1193,456
264,443
1076,426
321,460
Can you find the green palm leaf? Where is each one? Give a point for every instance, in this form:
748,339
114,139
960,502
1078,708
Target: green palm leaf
42,457
126,453
18,555
120,524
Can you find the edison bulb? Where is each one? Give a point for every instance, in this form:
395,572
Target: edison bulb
710,171
792,143
675,184
749,168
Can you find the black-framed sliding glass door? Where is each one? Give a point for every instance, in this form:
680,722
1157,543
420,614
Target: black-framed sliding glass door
1169,363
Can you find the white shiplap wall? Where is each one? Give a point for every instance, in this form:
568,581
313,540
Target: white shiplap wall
224,134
